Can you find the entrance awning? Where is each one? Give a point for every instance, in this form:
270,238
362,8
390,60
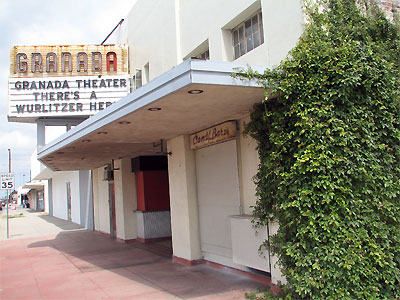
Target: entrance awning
24,190
45,174
34,185
192,96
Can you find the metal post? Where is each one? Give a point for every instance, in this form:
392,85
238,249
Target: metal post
9,160
120,22
8,197
8,227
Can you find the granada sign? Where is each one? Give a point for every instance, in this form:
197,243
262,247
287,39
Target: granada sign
60,81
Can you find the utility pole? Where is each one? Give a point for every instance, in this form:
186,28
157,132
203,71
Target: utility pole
8,197
9,160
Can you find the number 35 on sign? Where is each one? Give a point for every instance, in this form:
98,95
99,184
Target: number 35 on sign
6,181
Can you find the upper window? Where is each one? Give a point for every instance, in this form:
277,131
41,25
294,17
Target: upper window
248,35
137,79
205,55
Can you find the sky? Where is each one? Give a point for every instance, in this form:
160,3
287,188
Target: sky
45,22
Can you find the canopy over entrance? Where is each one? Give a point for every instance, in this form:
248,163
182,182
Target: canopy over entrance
192,96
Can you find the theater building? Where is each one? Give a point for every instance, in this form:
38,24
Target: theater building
169,159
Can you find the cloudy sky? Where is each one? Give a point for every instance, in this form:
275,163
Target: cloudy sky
45,22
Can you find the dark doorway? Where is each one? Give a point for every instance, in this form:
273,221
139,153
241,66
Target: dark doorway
69,201
113,221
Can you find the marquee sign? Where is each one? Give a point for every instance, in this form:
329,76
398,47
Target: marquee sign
64,96
65,81
213,135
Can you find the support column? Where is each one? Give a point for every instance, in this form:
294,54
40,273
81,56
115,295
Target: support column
125,200
184,206
100,201
86,200
50,195
40,134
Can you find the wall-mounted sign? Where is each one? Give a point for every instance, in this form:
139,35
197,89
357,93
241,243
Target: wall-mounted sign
65,81
213,135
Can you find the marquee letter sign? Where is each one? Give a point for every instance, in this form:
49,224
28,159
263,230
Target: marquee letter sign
59,81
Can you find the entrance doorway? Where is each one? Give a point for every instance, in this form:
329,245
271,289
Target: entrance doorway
113,220
69,211
153,217
218,198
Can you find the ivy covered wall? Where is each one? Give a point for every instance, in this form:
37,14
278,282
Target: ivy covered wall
328,138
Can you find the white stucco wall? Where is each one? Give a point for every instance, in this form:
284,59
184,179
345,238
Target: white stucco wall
60,209
162,33
204,20
100,202
248,167
151,35
35,164
282,23
86,199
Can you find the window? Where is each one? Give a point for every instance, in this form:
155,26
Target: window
137,79
147,72
205,55
248,35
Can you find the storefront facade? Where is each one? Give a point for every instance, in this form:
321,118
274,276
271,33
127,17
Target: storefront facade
170,159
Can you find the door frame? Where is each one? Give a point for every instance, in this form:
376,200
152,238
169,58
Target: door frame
69,200
111,201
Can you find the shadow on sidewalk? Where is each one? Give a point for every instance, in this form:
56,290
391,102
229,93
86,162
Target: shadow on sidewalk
62,224
148,266
32,211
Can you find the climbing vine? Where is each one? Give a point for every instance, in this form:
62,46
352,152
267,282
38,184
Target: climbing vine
328,138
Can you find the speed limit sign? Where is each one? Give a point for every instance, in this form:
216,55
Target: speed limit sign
6,181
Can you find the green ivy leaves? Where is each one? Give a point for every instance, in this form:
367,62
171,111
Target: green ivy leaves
329,147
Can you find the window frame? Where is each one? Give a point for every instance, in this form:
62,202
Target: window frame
204,55
137,79
243,40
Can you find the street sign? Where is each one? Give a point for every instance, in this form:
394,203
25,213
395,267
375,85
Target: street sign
7,181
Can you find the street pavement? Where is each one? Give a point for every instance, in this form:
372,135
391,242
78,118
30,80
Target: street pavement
48,258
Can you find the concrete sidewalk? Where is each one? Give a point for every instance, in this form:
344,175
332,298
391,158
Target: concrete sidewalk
32,224
48,258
